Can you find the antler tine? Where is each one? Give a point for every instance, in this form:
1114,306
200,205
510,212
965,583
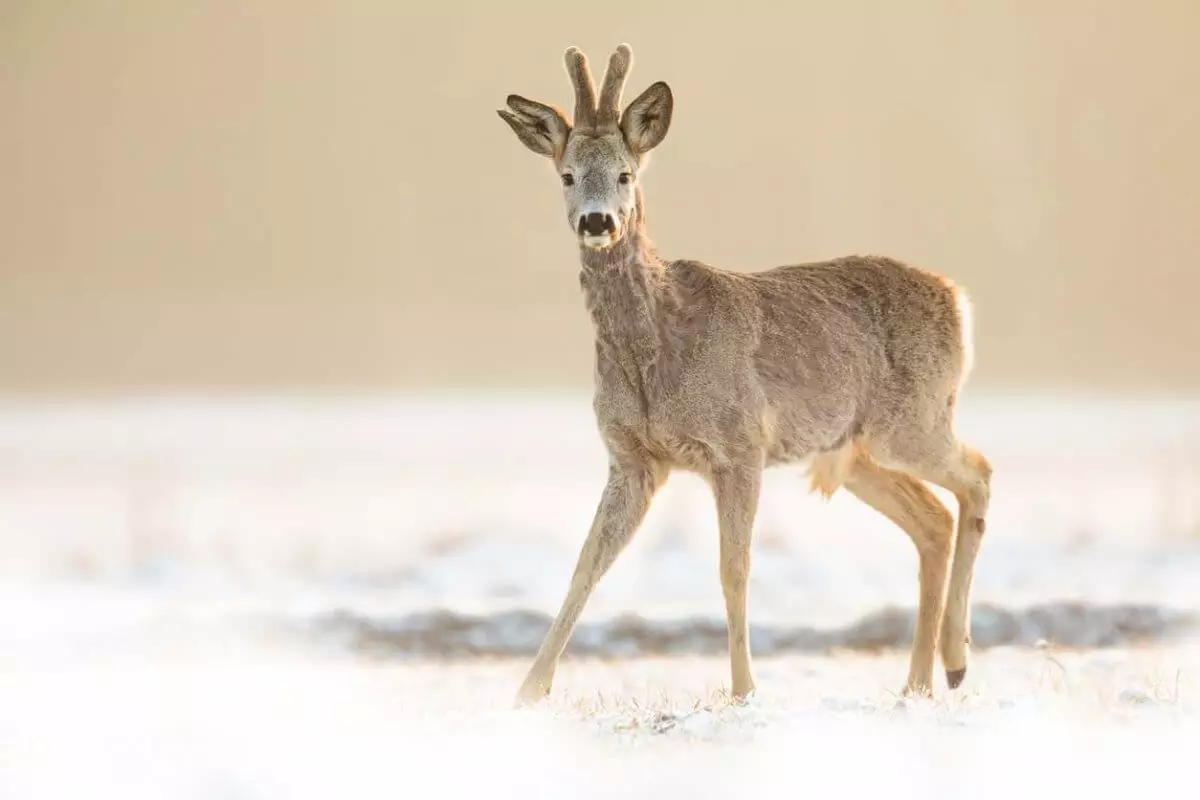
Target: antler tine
609,111
585,89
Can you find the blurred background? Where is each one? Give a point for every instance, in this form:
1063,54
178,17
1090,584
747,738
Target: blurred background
290,329
302,196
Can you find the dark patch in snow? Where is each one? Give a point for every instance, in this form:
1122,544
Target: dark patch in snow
448,635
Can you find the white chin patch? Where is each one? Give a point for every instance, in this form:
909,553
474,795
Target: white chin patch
597,242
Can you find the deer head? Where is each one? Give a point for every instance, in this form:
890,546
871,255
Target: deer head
600,154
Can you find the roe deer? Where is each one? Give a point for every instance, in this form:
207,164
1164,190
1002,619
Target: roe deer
852,366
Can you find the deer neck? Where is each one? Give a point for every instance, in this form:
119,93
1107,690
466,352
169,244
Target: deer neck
631,309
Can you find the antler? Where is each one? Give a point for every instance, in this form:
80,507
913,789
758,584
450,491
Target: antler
585,90
607,113
609,110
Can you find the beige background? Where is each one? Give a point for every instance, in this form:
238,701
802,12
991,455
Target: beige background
298,195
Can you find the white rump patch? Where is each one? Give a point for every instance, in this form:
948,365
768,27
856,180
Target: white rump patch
966,327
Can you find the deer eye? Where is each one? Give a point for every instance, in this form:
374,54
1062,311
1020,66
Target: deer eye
568,179
625,177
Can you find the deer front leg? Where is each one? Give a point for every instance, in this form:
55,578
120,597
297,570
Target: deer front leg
623,506
736,490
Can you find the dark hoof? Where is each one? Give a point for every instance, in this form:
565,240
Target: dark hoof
954,677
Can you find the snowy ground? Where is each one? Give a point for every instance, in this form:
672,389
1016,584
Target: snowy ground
224,598
241,723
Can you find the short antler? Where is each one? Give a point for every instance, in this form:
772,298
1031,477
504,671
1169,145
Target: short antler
605,115
609,111
585,89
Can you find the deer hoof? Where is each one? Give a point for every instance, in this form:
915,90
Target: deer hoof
531,692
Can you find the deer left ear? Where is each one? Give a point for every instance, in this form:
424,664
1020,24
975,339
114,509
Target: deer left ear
647,118
541,128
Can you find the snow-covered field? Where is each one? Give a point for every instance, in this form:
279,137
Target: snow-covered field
226,720
311,598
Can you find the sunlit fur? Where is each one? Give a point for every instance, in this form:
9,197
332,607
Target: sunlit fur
852,366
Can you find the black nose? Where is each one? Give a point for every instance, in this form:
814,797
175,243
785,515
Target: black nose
596,223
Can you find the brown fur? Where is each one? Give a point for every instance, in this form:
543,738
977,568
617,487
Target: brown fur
852,366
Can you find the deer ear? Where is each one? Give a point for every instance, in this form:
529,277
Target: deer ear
647,118
541,128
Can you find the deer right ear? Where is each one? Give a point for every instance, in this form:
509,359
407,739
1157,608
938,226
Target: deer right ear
541,128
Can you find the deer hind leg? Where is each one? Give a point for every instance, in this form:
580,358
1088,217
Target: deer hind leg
957,467
909,504
968,475
623,506
736,490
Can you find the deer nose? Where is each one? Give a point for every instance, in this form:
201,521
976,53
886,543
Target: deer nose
595,224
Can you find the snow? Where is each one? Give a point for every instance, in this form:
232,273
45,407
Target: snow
249,723
282,597
392,507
